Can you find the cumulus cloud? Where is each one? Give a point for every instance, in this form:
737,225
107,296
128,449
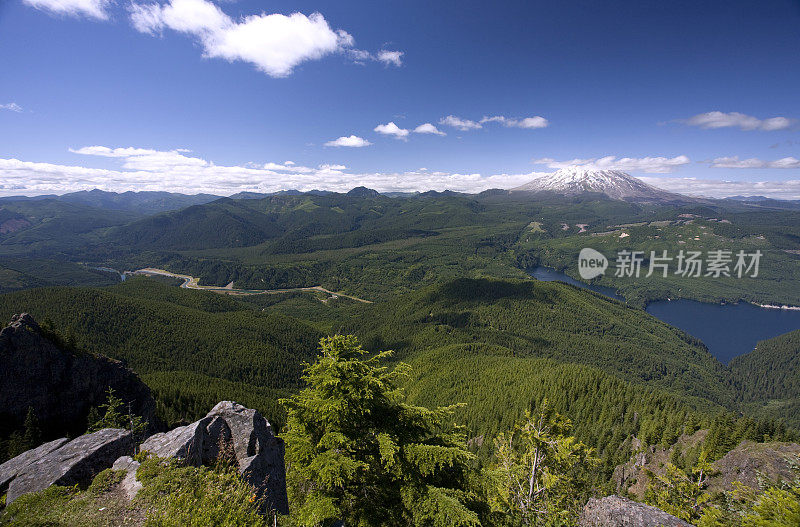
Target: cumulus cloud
721,189
12,107
627,164
392,129
97,9
716,119
352,141
457,122
527,122
274,43
428,128
735,162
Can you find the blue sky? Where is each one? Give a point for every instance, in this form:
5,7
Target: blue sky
190,95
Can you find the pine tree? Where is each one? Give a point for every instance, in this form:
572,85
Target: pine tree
32,434
113,417
358,453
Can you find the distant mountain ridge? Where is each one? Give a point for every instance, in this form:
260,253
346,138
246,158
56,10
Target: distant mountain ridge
142,202
615,184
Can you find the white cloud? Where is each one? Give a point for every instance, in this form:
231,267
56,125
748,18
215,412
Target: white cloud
461,124
12,107
274,43
527,122
392,129
467,124
627,164
428,128
721,189
89,8
735,162
718,119
390,57
351,141
147,170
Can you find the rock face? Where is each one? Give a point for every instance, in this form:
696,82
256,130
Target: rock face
73,462
615,511
60,385
749,463
257,451
14,466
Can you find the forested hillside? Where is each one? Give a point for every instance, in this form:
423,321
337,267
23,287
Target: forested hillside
500,346
190,347
531,319
767,380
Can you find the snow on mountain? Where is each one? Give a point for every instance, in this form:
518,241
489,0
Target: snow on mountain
615,184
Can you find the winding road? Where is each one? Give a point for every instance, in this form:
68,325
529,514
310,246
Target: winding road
190,282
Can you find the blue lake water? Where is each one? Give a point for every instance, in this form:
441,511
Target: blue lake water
728,330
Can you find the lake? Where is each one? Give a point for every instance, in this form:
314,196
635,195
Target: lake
728,330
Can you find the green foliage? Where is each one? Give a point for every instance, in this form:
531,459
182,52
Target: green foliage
539,472
172,495
113,414
359,454
105,481
19,441
178,495
681,494
775,506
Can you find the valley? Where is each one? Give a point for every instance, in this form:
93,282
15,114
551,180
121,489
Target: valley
466,290
190,282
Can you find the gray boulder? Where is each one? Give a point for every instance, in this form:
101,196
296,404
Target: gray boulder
615,511
259,453
185,442
11,468
76,462
241,434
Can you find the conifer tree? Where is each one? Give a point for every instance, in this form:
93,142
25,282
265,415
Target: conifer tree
358,453
113,417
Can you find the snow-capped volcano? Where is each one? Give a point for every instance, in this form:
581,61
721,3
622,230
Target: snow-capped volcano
615,184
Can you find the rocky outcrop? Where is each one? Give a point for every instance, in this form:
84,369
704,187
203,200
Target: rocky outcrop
60,385
615,511
256,450
14,466
71,463
751,464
